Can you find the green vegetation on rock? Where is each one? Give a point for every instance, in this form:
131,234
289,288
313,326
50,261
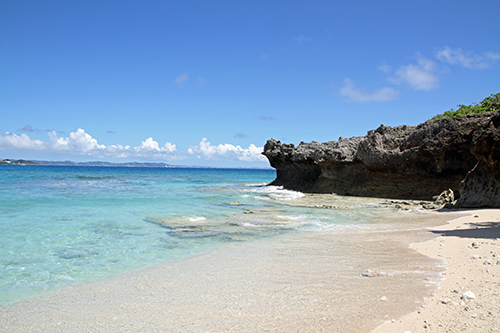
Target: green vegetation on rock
489,104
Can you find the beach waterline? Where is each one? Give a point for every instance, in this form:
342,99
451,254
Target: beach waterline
348,280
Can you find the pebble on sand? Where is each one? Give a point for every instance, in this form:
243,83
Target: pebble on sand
367,273
468,295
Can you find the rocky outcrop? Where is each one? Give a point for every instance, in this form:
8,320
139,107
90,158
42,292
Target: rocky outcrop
481,186
404,162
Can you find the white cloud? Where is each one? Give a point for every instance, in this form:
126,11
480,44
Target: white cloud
149,144
14,141
302,39
201,81
182,79
151,147
420,76
82,143
354,94
78,142
467,60
209,151
385,68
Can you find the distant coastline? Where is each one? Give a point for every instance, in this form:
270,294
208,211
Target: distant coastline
16,162
111,164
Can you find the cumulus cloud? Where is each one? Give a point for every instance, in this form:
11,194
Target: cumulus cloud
207,150
420,76
182,79
302,39
82,143
385,68
151,146
201,81
14,141
78,142
353,93
467,60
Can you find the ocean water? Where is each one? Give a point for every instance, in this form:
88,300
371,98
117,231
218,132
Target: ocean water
66,224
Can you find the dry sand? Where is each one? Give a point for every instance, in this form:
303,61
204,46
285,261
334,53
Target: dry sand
309,282
471,248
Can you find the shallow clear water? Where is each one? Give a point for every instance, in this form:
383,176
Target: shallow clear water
61,225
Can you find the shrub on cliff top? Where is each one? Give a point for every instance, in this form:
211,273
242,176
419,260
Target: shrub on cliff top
489,104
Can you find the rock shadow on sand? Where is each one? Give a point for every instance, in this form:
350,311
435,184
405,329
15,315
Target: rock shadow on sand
487,230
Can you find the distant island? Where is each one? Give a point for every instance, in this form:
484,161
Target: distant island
16,162
7,161
109,164
93,163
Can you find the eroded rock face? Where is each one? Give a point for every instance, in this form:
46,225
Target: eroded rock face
481,186
410,162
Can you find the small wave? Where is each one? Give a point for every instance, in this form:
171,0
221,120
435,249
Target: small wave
246,224
177,221
195,218
256,185
94,177
293,218
278,193
194,234
65,277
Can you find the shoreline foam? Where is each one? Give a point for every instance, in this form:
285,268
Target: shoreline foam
307,282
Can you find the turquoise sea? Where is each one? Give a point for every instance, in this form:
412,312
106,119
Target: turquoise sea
71,224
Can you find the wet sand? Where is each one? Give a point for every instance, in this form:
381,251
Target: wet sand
471,248
338,281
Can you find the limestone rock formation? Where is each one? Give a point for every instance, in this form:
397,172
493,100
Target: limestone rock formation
405,162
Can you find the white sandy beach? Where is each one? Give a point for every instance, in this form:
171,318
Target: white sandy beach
297,283
471,248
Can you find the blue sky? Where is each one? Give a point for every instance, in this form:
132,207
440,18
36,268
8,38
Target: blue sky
209,82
